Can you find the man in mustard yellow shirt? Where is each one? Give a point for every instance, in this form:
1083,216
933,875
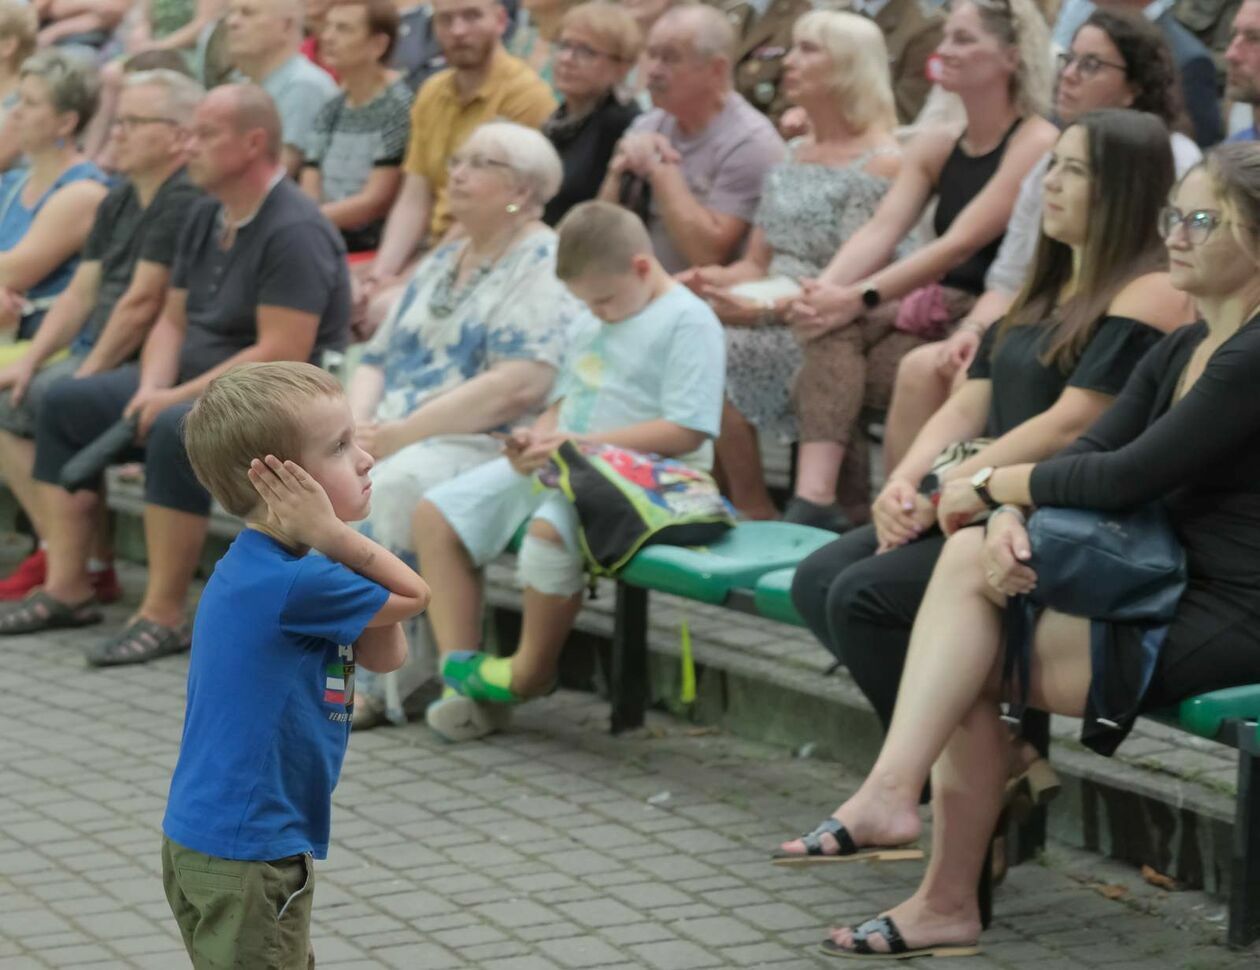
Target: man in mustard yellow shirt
482,82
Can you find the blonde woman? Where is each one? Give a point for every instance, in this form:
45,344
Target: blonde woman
830,185
995,56
597,44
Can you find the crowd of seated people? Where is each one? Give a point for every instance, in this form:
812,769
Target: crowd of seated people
680,229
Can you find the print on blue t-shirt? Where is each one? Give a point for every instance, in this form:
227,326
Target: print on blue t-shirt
270,695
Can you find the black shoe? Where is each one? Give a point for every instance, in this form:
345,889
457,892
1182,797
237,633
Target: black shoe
801,511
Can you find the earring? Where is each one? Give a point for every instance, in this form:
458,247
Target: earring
513,208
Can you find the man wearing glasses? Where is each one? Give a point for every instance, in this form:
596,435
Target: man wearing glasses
102,317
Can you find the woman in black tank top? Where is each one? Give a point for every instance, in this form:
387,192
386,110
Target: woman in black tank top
854,321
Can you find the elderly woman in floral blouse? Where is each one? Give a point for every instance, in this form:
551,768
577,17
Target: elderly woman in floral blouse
472,346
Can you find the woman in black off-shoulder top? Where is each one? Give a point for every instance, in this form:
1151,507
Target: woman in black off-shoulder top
1185,430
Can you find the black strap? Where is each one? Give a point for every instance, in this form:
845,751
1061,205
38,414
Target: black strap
885,927
813,840
1018,624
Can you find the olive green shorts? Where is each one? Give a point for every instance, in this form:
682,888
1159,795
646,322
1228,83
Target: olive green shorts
241,915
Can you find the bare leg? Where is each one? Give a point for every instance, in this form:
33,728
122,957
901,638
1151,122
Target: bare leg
740,460
174,541
103,541
919,391
70,523
455,607
17,457
818,470
546,623
967,785
953,650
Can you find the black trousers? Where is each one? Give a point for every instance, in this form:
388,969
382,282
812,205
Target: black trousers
862,606
75,412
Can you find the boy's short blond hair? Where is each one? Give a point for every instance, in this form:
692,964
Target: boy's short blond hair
252,411
599,237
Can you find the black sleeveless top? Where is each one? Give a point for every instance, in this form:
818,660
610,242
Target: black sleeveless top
961,180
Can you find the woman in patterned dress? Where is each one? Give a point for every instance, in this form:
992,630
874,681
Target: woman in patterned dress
471,347
827,188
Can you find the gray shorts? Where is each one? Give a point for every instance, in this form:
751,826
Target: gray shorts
20,420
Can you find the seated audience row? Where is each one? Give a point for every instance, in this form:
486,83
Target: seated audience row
1182,432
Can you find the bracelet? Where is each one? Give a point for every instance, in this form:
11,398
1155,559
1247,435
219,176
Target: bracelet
1014,510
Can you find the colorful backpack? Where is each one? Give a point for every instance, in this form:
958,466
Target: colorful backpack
626,500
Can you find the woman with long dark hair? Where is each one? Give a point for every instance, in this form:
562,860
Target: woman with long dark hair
1094,303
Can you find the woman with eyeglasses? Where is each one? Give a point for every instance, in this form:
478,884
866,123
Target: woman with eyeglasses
855,321
1185,432
471,346
827,188
596,45
46,208
1116,60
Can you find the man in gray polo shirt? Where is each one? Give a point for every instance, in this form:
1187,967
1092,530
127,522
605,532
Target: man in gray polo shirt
694,164
263,40
259,275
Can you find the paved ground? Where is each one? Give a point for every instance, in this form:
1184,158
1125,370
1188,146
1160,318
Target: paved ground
552,846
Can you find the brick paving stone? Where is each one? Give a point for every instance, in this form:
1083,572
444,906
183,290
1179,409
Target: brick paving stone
581,952
713,931
639,933
599,913
676,955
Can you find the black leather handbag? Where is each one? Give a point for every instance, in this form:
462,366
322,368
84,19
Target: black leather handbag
1107,566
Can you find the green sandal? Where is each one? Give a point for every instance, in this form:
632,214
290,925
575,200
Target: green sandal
461,671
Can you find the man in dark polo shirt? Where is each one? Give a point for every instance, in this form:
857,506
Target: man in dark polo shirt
115,295
260,275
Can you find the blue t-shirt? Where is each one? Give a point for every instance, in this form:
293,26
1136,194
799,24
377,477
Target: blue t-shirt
666,361
270,694
1247,134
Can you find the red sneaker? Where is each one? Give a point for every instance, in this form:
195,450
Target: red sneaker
29,574
105,582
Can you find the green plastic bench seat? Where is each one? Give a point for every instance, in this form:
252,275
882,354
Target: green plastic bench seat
1203,715
736,561
772,597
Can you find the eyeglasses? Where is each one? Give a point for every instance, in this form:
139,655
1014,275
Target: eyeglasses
132,122
476,161
1199,224
581,52
1087,65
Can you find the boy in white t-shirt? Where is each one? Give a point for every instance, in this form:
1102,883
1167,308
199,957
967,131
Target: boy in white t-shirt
648,375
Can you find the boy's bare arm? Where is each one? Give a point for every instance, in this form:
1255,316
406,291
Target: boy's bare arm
381,649
408,593
298,507
658,437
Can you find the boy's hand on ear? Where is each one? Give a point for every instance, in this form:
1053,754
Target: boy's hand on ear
297,505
